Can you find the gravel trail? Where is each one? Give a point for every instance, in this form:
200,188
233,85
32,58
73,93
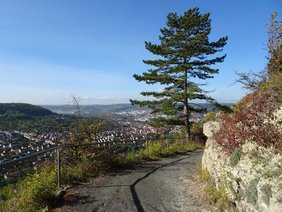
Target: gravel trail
164,185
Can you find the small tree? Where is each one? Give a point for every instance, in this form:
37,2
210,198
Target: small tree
252,80
86,130
274,45
185,53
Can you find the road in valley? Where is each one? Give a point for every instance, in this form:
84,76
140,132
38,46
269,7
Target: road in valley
164,185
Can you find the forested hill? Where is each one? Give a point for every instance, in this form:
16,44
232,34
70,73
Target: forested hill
32,118
23,111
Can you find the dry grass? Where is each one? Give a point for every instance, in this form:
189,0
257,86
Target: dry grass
212,198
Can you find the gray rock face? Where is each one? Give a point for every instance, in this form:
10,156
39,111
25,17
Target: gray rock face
252,175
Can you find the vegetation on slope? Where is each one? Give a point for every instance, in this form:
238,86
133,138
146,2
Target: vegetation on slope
31,118
256,116
252,117
211,194
22,111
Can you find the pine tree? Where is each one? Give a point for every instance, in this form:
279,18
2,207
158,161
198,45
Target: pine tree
184,53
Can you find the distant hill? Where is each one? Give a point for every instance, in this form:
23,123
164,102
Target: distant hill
22,111
32,118
92,110
27,117
102,110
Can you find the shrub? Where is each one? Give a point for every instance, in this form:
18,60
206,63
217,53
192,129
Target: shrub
192,145
197,133
252,120
218,196
197,128
242,103
34,192
203,174
159,149
83,170
211,116
154,149
6,193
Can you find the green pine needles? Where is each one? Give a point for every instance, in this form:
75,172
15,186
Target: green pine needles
184,53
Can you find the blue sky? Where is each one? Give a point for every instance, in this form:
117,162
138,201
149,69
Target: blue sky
50,50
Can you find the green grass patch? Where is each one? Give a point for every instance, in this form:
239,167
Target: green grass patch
156,150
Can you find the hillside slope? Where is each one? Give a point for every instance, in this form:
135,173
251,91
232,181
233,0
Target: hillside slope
243,152
22,111
31,118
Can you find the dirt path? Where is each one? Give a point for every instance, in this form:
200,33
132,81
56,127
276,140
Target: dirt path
155,186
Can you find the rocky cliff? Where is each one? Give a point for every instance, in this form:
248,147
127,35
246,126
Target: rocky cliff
251,175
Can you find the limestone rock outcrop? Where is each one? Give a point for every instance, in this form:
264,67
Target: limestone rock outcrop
251,175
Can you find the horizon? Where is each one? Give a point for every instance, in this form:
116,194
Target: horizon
69,104
53,50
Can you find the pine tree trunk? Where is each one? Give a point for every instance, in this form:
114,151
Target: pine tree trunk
186,106
187,123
